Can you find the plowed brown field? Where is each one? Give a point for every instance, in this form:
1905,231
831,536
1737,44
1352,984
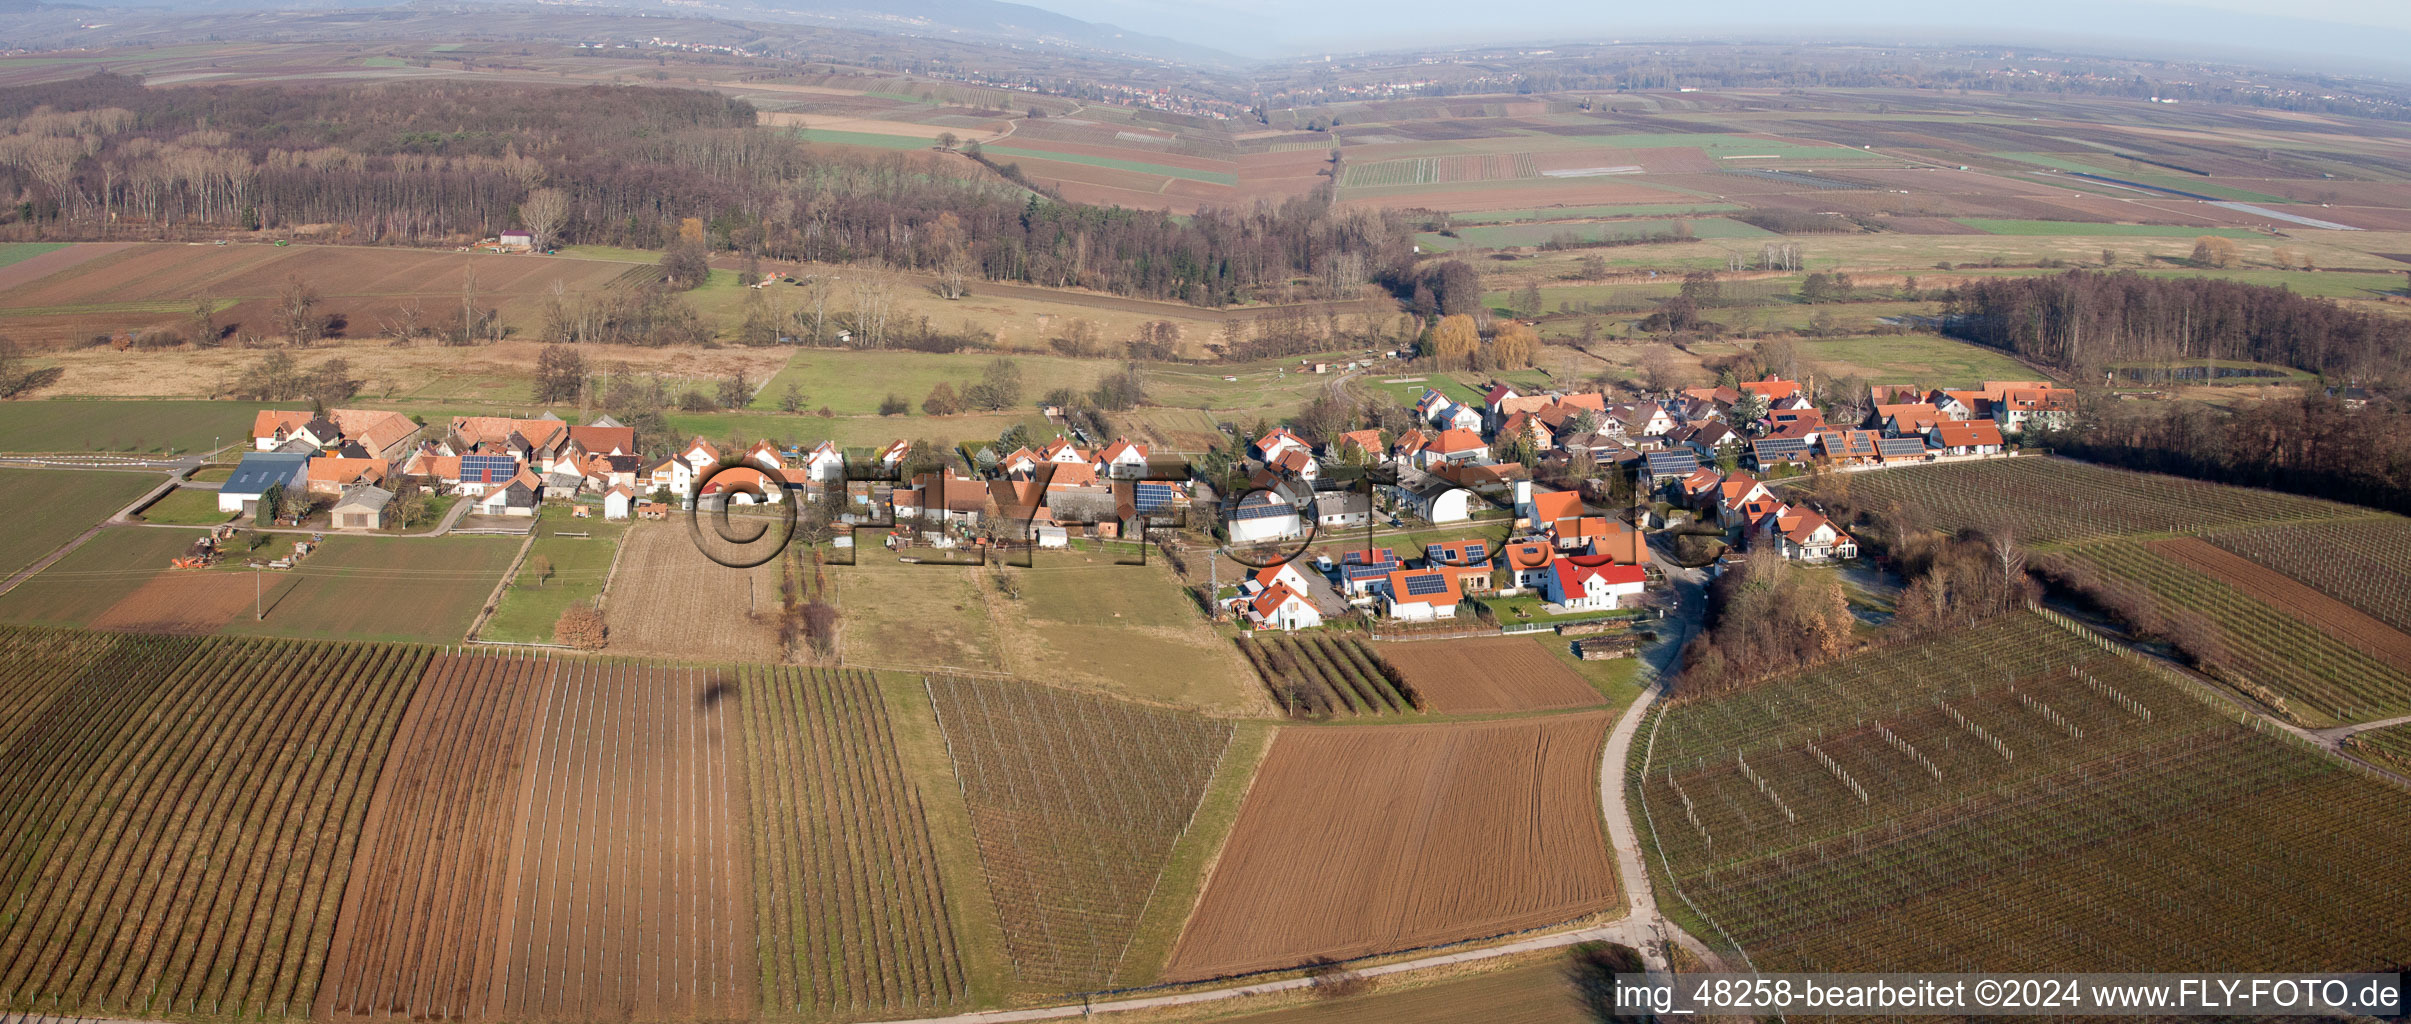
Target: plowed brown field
556,840
668,599
1502,673
1366,839
181,602
2333,617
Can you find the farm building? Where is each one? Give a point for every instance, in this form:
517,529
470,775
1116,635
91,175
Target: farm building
364,507
516,497
616,502
258,472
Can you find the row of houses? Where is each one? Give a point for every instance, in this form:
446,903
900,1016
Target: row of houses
1556,549
1739,501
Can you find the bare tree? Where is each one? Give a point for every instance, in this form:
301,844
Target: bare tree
954,273
545,210
874,301
297,311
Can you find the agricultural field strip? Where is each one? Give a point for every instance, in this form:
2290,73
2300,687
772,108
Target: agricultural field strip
1315,675
1075,804
227,839
1923,771
851,915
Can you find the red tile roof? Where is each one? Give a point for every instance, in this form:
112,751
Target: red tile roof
1449,594
1555,505
1456,439
1572,574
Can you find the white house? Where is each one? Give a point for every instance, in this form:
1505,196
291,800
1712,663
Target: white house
1592,587
1123,460
1420,595
1264,515
1458,416
892,456
1285,574
1340,509
515,498
1434,500
1803,535
1279,442
825,465
1363,573
1459,446
616,502
1279,607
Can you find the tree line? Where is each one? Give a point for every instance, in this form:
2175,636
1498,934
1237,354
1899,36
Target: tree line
2085,321
421,163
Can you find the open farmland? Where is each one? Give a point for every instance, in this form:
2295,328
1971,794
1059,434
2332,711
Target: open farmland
1366,839
850,913
2317,661
2283,607
150,426
1537,993
2017,797
181,817
2365,563
45,508
669,599
1486,674
382,588
2061,501
1314,675
566,564
156,284
1076,803
559,840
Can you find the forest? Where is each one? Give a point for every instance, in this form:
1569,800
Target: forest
446,163
2086,321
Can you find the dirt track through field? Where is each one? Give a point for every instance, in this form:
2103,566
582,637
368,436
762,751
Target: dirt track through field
556,840
2333,617
1362,839
1504,673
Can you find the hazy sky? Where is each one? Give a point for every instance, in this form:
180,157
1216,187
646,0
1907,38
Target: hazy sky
2355,29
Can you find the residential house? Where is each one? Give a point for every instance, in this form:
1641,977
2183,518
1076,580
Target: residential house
1734,495
1767,453
1457,445
1365,442
1893,451
1580,584
330,476
1641,420
1280,607
1542,511
1434,499
824,465
1270,447
1363,573
2018,407
617,500
258,472
1468,560
1297,464
1605,537
1264,514
1420,595
1708,440
1908,419
363,507
1807,536
1123,460
1772,389
891,458
1527,563
1342,509
1698,491
1847,447
940,497
1284,574
1414,448
1966,437
1063,451
1530,428
1458,416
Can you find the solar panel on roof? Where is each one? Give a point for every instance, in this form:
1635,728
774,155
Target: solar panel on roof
1783,446
488,469
1426,584
1901,446
1672,463
1476,552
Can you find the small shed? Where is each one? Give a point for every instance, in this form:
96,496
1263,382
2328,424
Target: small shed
616,502
364,507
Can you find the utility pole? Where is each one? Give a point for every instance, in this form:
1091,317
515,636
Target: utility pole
257,614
